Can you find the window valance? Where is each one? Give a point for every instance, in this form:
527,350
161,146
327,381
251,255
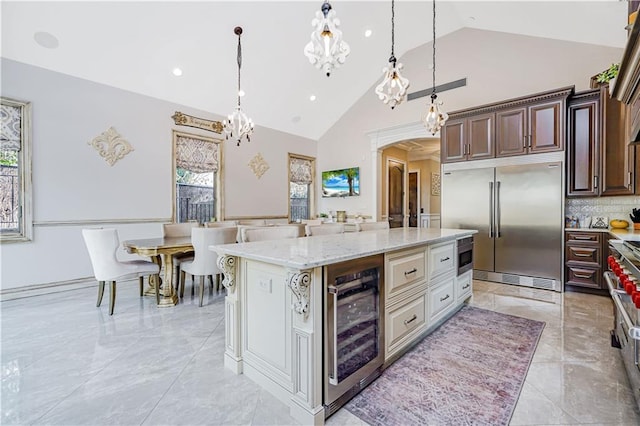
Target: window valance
300,170
197,155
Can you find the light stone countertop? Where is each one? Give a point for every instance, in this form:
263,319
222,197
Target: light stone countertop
320,250
625,234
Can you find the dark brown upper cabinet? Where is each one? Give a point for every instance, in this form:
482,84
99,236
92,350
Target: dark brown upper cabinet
599,160
526,125
583,144
470,138
530,129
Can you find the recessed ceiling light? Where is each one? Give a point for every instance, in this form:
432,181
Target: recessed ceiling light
46,40
177,72
312,98
241,92
368,33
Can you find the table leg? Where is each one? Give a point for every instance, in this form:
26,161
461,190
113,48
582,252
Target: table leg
151,290
168,297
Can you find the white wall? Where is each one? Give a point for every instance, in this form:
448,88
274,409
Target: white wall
73,187
498,66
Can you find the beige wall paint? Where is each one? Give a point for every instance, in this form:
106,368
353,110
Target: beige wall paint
73,187
498,66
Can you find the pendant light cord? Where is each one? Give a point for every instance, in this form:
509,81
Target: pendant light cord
238,31
434,50
393,36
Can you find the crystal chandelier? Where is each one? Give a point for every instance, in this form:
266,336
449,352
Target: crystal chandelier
238,125
393,88
434,119
326,50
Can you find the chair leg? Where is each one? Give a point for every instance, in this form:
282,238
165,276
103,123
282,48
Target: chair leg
210,281
141,279
201,289
182,280
193,284
218,282
100,292
112,297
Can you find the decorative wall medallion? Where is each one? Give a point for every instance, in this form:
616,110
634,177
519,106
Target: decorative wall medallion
227,264
200,123
258,165
111,146
299,283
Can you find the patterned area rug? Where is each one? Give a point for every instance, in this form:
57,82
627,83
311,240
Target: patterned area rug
467,372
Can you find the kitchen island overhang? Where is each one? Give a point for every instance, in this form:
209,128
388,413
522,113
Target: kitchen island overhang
274,308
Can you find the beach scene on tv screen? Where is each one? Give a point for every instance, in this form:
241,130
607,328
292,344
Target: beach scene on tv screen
341,183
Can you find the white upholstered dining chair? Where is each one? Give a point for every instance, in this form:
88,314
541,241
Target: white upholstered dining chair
253,222
204,260
326,229
248,235
182,229
371,226
221,224
102,244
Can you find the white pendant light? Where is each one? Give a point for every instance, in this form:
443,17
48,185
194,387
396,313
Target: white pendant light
238,125
326,50
434,119
393,88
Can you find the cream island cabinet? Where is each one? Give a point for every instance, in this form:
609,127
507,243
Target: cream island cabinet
290,301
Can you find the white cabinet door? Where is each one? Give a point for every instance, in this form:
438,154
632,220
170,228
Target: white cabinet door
464,287
441,259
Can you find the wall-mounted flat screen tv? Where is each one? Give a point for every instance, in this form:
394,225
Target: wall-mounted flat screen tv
341,183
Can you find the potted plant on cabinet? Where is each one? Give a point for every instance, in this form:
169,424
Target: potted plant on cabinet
607,76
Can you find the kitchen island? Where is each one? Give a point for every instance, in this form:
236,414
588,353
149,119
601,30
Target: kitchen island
275,304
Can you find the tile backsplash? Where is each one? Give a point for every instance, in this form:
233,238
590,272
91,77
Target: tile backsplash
612,207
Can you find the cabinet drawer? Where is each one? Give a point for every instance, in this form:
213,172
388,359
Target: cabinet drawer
583,237
587,255
464,285
404,269
441,259
584,277
402,321
441,297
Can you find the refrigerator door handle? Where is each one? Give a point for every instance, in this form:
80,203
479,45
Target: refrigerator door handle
498,235
491,209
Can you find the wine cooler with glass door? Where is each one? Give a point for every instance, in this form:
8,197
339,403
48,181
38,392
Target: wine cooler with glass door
353,328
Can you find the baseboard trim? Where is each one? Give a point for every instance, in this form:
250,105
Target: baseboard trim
41,289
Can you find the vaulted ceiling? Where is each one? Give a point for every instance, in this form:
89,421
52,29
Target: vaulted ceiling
136,45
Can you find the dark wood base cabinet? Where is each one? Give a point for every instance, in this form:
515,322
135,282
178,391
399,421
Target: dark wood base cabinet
584,257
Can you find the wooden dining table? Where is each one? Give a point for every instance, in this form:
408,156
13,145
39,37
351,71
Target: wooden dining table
161,251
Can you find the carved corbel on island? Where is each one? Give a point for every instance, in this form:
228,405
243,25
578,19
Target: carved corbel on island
299,282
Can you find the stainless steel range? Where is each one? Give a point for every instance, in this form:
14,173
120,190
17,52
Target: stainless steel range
623,281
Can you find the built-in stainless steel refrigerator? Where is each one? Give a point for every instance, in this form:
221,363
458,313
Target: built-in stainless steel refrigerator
518,212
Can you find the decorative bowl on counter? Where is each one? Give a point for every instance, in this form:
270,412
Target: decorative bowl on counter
619,224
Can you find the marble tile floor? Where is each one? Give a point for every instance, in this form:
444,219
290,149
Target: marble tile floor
66,362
